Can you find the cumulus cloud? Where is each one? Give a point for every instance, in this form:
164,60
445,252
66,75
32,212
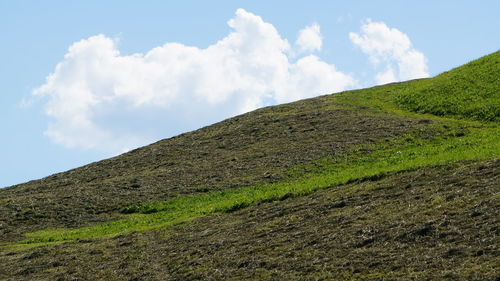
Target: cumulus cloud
98,98
310,38
391,49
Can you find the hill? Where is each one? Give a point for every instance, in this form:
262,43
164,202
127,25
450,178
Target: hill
393,182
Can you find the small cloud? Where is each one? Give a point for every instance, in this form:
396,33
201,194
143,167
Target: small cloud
393,48
310,39
343,18
26,102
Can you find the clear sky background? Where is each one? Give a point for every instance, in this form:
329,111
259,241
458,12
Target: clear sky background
127,73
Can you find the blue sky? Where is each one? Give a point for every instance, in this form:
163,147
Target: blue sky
120,85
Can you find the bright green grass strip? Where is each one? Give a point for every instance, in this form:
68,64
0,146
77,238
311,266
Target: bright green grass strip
406,154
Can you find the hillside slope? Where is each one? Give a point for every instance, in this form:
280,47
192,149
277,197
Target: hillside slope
431,224
373,184
253,148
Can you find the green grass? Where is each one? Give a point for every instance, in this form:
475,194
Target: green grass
471,92
407,153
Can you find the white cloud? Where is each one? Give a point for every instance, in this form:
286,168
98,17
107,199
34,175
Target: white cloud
388,76
393,48
99,99
310,38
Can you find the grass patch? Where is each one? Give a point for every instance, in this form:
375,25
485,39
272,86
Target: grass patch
468,92
367,163
471,91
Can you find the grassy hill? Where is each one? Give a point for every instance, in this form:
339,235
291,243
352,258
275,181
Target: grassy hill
398,181
469,92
